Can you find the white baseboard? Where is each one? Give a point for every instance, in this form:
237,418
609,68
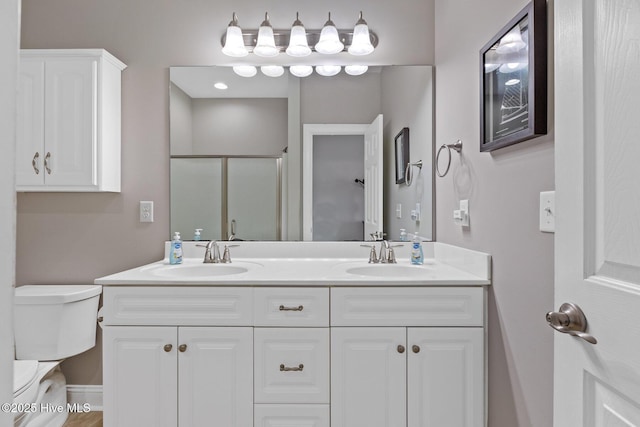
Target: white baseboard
81,394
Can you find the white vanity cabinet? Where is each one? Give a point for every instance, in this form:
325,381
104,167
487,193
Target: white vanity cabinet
68,122
407,357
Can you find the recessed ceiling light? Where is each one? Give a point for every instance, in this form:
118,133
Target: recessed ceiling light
512,82
221,86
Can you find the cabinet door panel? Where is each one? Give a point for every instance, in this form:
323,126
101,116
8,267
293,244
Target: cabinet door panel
216,377
445,377
71,122
140,378
30,124
291,416
368,377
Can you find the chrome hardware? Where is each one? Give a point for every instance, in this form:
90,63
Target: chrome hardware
232,235
401,349
168,347
415,348
298,308
34,162
46,162
298,368
384,247
226,256
373,257
377,236
209,257
182,348
100,319
457,147
570,320
408,172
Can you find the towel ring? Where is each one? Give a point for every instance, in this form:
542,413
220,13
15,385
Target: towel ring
457,146
408,174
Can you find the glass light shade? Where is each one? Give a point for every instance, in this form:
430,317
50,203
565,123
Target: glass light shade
234,45
327,70
266,44
272,70
301,70
298,45
356,70
361,42
512,67
511,42
245,70
329,42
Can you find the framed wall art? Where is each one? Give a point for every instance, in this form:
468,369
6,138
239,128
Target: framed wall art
513,80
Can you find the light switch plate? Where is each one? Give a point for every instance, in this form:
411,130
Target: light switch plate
548,211
146,211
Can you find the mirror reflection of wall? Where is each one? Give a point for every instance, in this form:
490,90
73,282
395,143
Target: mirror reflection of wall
261,117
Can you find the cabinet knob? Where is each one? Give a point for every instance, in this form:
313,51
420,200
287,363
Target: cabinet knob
416,349
168,347
400,349
182,348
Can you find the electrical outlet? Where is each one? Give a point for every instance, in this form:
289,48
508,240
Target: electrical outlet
146,211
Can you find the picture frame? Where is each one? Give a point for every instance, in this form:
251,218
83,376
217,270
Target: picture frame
513,80
401,141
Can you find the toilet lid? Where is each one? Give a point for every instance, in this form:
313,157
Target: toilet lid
24,374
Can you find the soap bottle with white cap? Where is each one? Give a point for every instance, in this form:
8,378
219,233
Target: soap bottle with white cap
175,253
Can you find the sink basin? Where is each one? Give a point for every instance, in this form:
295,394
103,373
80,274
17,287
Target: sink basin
199,271
389,270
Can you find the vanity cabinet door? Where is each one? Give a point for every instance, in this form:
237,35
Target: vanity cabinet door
215,371
445,377
368,377
140,376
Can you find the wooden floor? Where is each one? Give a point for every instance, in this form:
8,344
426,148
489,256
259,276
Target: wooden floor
86,419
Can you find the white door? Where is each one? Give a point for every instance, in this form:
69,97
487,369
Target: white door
70,122
215,367
140,376
368,377
30,123
373,178
597,262
445,377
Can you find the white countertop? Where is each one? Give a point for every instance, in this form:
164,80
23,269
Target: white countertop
307,264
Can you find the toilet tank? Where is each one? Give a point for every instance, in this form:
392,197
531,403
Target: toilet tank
52,322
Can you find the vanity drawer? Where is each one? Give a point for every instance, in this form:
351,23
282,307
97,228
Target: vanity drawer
291,365
292,307
291,415
436,306
177,306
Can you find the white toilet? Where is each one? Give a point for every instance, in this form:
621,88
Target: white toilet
51,323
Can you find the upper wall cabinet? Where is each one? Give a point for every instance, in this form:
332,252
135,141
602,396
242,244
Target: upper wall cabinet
68,133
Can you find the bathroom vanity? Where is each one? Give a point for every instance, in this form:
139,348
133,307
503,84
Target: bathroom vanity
308,335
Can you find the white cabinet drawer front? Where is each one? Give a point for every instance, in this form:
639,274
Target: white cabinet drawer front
291,365
294,307
291,416
178,306
407,306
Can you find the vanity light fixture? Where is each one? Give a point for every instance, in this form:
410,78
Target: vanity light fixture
361,43
298,44
328,70
234,44
266,44
329,42
245,70
355,70
272,70
511,42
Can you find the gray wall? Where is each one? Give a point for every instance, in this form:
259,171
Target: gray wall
9,42
503,190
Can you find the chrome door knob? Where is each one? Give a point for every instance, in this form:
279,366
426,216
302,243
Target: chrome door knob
570,320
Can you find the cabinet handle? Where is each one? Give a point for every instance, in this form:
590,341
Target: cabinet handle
46,162
400,349
182,348
34,163
298,308
298,368
168,347
416,349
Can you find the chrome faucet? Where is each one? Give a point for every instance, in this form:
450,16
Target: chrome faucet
387,255
212,253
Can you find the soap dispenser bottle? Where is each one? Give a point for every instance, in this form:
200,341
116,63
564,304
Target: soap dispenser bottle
175,254
196,235
417,256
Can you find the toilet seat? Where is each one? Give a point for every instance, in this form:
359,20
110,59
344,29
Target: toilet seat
25,379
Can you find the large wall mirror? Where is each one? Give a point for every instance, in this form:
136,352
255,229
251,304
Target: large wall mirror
284,158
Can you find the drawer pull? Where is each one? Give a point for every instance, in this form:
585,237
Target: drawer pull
298,368
298,308
168,347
